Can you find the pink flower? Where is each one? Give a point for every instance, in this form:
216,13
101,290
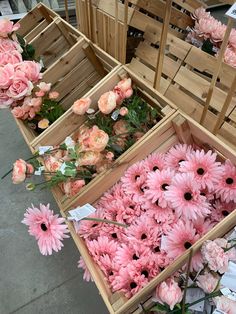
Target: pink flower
48,229
129,252
20,86
44,87
102,246
89,229
184,196
89,158
120,95
20,170
7,27
6,75
110,156
11,57
31,70
226,187
126,87
207,171
232,38
40,93
169,292
51,163
71,188
176,155
123,111
7,44
225,304
5,100
206,26
230,57
215,256
154,162
221,210
121,128
81,105
107,102
53,95
207,282
20,113
200,13
87,276
43,124
98,139
218,34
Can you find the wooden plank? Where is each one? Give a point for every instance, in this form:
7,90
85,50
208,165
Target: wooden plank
54,51
64,31
35,31
182,130
88,50
27,133
109,7
190,5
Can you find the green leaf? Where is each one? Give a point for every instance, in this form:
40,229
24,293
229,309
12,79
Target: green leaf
207,46
20,40
30,51
159,308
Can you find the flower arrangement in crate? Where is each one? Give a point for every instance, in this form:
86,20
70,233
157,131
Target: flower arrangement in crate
124,117
208,34
168,202
19,74
212,287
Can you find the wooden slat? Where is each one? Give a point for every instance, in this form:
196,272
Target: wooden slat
90,54
108,7
190,5
35,31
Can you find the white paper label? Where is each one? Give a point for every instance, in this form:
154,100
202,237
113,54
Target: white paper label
194,294
163,242
115,115
5,7
232,11
225,291
219,312
43,149
39,171
63,168
90,111
232,235
232,296
81,212
69,142
229,278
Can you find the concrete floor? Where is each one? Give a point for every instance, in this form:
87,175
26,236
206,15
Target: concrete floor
29,282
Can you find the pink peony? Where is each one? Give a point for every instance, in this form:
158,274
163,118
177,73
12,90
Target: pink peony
207,282
5,100
88,158
98,139
53,95
48,229
52,164
20,86
31,69
169,292
11,57
126,87
7,27
20,170
44,87
81,105
107,102
71,188
6,76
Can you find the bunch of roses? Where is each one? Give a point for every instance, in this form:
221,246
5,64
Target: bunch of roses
208,28
16,76
168,201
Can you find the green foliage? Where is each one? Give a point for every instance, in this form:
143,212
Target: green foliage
28,50
208,47
51,110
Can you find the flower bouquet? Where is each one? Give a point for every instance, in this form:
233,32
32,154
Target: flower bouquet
208,34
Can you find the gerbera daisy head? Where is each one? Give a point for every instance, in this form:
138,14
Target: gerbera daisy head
48,229
226,187
206,169
109,266
158,183
112,231
154,162
130,211
87,276
184,196
182,236
176,155
220,210
203,225
102,246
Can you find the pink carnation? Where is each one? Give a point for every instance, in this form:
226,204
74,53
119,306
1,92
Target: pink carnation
207,282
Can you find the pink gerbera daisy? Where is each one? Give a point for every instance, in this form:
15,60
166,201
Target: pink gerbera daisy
87,276
221,209
158,183
226,187
184,196
155,161
102,246
203,225
48,229
112,194
112,231
131,251
181,238
206,169
109,267
176,155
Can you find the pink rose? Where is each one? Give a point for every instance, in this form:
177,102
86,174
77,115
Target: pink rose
44,87
19,113
35,102
11,57
7,27
120,95
40,93
71,188
225,304
20,170
169,292
9,45
54,95
6,75
5,100
52,164
80,106
107,102
123,111
215,256
98,139
20,86
88,158
126,87
207,282
31,69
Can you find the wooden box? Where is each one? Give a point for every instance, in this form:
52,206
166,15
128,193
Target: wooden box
70,123
77,71
177,128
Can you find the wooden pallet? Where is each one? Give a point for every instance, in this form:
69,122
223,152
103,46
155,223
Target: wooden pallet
211,4
177,128
100,22
186,78
70,123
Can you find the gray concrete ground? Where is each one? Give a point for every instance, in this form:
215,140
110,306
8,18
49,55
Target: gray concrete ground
29,282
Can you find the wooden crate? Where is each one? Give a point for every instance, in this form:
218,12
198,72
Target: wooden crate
185,80
70,123
210,4
76,72
177,128
98,20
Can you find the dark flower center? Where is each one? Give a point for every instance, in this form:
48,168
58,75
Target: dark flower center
229,181
114,235
187,245
181,160
157,249
145,273
143,236
136,177
161,268
141,189
131,206
44,227
94,225
225,213
111,273
133,285
200,171
155,168
203,194
157,202
188,196
135,257
164,186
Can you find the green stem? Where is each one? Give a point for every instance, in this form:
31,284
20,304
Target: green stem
106,221
229,248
